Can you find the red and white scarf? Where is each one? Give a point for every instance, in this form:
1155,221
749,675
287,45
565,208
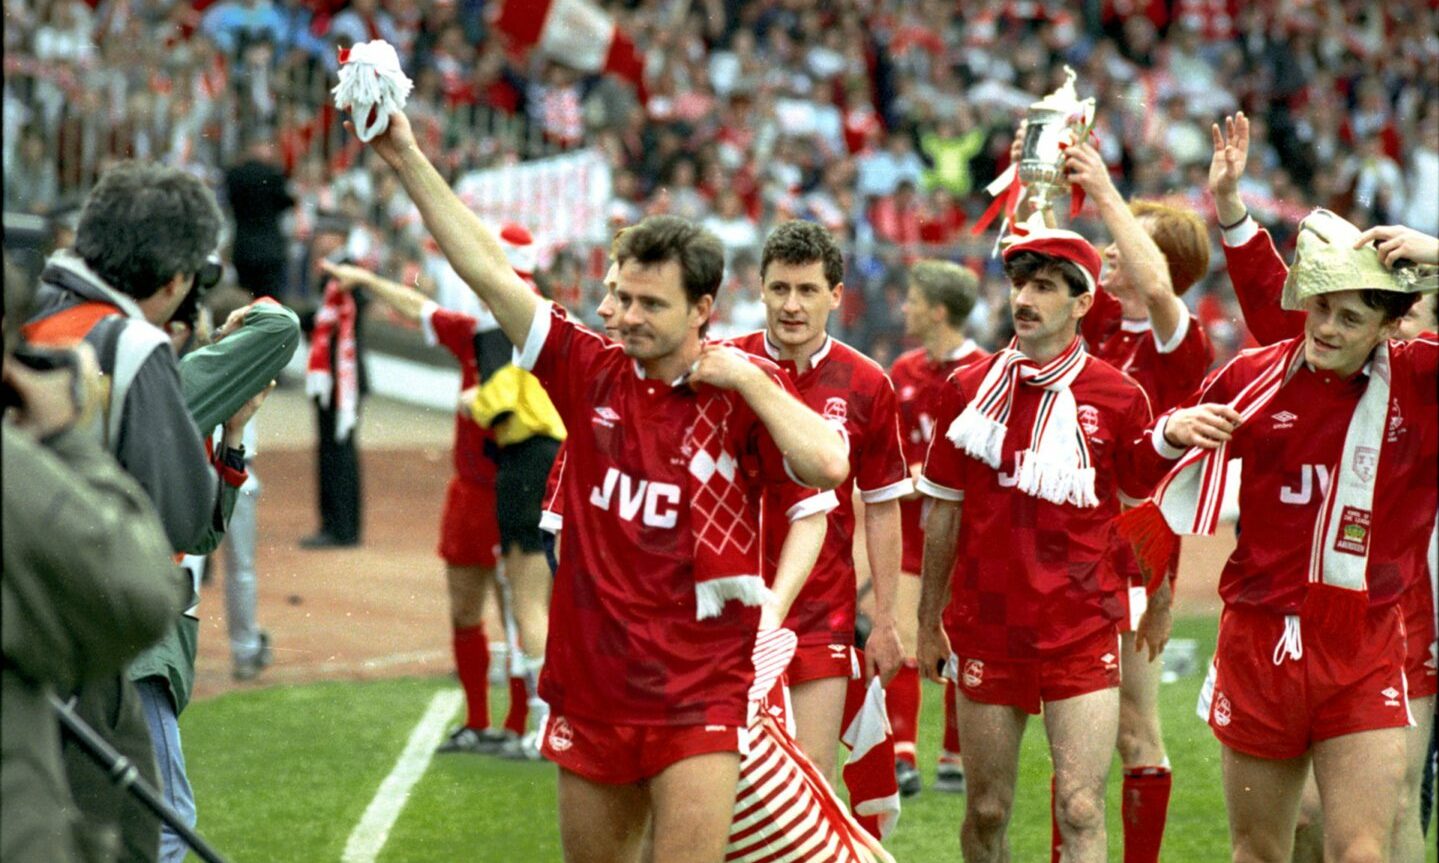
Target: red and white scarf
1188,499
335,324
1056,465
724,521
869,772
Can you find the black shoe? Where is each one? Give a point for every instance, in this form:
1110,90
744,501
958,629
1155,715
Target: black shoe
907,778
324,540
949,777
249,669
480,741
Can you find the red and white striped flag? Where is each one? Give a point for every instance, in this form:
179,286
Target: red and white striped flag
577,33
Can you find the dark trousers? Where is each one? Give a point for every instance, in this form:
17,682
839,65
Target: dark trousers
339,480
112,707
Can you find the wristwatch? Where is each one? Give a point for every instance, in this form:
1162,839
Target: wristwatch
233,457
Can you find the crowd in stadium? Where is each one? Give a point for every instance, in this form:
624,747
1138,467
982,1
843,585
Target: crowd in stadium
882,121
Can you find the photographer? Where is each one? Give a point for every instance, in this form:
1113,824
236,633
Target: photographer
141,248
87,581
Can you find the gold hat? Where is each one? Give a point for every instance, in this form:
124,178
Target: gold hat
1326,262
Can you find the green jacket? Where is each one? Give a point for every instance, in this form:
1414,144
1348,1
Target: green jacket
216,380
87,583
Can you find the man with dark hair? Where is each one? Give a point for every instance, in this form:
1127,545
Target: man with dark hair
940,297
670,443
144,236
1035,444
802,282
258,195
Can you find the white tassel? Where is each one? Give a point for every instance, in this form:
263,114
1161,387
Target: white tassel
978,435
711,596
1055,481
319,384
371,78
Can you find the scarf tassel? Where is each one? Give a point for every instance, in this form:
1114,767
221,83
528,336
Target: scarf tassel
978,435
1056,482
1338,613
711,596
1156,546
319,384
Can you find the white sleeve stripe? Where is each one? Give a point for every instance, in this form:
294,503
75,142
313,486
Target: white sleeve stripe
820,503
1163,446
1242,232
934,489
535,341
889,492
427,322
1176,338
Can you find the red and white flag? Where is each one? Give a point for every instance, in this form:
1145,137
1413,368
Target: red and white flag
577,33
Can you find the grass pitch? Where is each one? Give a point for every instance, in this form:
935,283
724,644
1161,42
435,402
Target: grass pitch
284,774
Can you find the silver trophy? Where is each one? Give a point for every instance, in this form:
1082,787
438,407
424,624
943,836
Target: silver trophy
1061,118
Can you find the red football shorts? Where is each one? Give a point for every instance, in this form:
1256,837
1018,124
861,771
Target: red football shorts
1089,665
1421,649
469,535
1278,711
621,754
821,661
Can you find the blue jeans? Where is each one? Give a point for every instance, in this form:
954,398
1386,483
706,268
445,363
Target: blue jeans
175,785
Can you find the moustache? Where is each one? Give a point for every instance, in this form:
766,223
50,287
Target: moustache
1026,315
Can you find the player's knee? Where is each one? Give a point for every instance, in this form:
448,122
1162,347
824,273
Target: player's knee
1368,849
1081,809
1311,816
1139,743
988,813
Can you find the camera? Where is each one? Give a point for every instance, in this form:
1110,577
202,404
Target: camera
207,277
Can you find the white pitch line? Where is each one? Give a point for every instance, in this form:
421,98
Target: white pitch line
369,836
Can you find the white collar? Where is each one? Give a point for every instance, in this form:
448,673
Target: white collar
964,350
773,350
640,373
1129,325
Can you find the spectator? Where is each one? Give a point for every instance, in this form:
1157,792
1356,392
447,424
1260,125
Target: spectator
363,21
234,24
881,172
258,194
31,183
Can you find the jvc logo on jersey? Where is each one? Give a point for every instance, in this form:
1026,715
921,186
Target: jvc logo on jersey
1302,492
657,503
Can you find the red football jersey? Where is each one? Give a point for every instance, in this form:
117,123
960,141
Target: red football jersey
851,391
1290,452
627,646
918,381
1027,577
456,332
1168,372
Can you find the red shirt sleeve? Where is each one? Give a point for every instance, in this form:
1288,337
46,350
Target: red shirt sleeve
943,475
882,472
564,356
1138,466
1258,273
454,331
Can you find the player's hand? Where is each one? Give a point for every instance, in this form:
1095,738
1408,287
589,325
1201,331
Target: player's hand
1231,153
235,425
1400,243
467,398
347,276
1085,168
722,366
232,322
883,652
773,651
1205,426
932,651
395,141
1156,623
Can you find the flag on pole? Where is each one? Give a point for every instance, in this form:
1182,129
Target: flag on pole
577,33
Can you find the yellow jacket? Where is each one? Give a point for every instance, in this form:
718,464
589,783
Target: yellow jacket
515,405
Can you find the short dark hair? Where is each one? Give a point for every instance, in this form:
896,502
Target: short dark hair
143,223
1026,265
945,283
659,239
798,242
1392,304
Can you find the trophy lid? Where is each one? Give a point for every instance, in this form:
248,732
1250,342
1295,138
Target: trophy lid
1063,100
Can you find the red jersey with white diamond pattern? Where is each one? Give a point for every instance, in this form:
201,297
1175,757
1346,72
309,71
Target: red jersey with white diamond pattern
854,394
918,382
1028,579
627,647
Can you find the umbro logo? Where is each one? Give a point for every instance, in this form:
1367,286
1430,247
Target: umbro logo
1283,419
1391,697
1108,659
606,416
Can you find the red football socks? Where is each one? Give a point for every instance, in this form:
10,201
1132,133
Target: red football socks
1145,809
902,700
519,706
951,725
472,661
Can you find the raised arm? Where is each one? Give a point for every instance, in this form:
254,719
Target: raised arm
468,243
1144,265
814,451
408,302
